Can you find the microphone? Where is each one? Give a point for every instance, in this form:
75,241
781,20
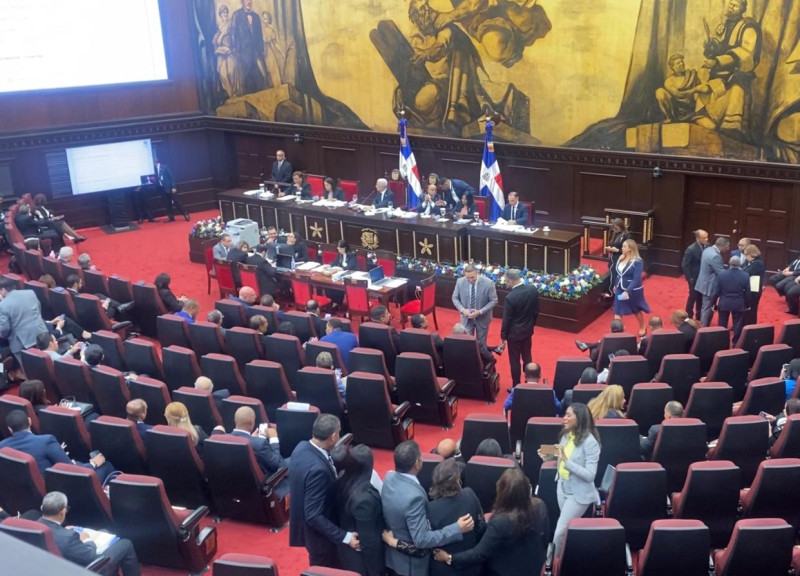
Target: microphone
368,196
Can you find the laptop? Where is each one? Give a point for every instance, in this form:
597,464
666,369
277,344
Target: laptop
284,253
376,277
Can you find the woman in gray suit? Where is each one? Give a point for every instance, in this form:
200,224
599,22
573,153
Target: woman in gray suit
578,454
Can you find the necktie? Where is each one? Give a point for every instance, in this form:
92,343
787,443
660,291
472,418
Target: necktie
330,463
472,298
513,212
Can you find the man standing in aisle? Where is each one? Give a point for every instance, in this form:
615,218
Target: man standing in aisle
520,310
166,185
707,282
281,170
691,270
474,297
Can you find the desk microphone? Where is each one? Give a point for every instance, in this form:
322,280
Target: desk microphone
370,195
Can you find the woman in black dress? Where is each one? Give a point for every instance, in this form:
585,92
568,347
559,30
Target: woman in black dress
332,191
171,303
754,266
619,233
467,209
346,259
515,541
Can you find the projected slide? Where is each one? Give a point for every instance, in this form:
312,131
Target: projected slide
109,166
50,44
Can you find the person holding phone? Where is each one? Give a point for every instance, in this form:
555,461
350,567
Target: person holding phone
629,291
264,440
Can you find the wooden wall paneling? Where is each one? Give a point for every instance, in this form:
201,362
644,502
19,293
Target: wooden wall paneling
533,184
462,168
668,242
765,218
340,161
600,190
794,229
639,190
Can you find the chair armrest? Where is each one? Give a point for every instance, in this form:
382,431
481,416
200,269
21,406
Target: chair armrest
346,440
275,478
401,410
121,326
191,521
548,561
98,565
207,540
711,568
447,388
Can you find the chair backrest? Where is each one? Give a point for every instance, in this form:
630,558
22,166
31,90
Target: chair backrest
43,294
680,371
757,546
660,343
232,403
790,334
110,390
763,395
378,336
680,442
38,365
74,379
753,337
31,532
568,372
113,352
481,205
89,505
233,313
287,350
743,440
200,404
593,546
417,383
646,404
225,277
358,302
463,363
52,266
267,381
21,485
583,393
530,400
302,323
730,366
247,276
120,442
235,564
294,425
244,344
120,288
95,282
773,493
770,359
421,341
370,411
301,289
427,300
368,360
707,342
658,557
180,366
479,427
172,331
628,371
91,315
11,402
636,498
313,349
788,443
206,338
148,306
612,343
710,402
155,393
61,303
171,456
482,474
350,188
537,432
68,427
317,386
142,357
620,441
224,373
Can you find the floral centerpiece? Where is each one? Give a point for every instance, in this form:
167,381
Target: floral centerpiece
207,228
559,286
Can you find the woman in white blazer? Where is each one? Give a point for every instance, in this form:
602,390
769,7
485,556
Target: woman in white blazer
578,454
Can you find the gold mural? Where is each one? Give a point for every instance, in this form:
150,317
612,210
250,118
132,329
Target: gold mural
715,78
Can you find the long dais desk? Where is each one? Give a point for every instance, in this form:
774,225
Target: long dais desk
553,252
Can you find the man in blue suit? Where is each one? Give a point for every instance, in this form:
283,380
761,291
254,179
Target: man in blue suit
383,195
344,341
312,480
514,212
452,190
136,411
44,448
734,296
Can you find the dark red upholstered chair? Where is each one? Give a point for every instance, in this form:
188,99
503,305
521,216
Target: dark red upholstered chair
763,395
372,361
711,495
93,317
234,564
232,403
142,358
21,484
268,312
637,498
646,404
110,390
478,427
120,289
568,372
206,338
120,442
244,344
731,366
68,269
773,493
161,535
770,360
379,337
537,432
324,571
753,337
11,402
88,504
180,367
155,393
38,535
233,313
38,365
32,262
113,352
530,401
247,276
744,441
224,373
95,282
660,343
43,295
429,462
707,342
620,441
710,402
680,442
592,546
680,371
482,474
52,265
211,272
148,306
350,188
658,558
546,492
225,278
612,343
287,351
425,304
788,443
463,363
628,371
69,428
74,379
313,349
583,393
359,303
301,289
200,404
420,341
429,396
267,382
757,546
317,386
374,420
239,487
294,422
790,334
303,324
172,456
172,331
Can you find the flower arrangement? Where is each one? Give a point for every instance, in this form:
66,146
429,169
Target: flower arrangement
559,286
207,228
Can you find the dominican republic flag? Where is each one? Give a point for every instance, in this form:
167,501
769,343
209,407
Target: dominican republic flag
491,179
408,166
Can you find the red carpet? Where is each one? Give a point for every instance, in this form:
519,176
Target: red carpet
161,247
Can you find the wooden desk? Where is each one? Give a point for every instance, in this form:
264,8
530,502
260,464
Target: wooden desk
320,280
554,252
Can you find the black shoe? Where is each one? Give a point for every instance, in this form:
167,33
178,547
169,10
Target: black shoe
171,219
581,346
498,349
126,307
79,239
186,216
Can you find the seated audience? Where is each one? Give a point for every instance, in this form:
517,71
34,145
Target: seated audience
420,322
300,249
265,271
46,342
617,327
247,297
673,409
299,187
48,281
57,223
346,257
602,378
790,374
588,376
216,317
686,326
85,262
189,310
320,325
265,442
778,422
75,546
343,340
177,416
136,412
610,403
205,383
221,248
325,360
238,255
332,191
655,323
286,328
448,448
381,315
260,324
41,228
65,254
171,303
491,447
533,373
269,301
33,391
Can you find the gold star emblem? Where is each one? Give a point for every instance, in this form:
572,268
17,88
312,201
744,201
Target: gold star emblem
425,247
316,231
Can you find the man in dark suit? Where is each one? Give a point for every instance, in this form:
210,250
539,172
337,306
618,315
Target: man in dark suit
690,265
707,283
785,279
383,195
734,296
515,212
420,322
452,189
239,254
77,547
312,480
265,272
136,411
428,203
166,186
205,383
520,310
266,445
673,409
260,324
380,314
281,170
44,448
320,325
31,227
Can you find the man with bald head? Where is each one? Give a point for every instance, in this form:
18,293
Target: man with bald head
264,440
383,195
447,448
690,265
247,297
136,411
205,383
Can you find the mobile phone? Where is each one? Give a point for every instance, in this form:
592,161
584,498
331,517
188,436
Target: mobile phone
785,368
262,428
762,414
62,316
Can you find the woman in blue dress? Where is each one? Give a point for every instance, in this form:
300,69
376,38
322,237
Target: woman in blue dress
629,291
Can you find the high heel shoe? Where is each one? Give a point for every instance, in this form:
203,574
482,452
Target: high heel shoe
642,333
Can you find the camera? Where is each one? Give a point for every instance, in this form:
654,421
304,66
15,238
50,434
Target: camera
656,172
298,139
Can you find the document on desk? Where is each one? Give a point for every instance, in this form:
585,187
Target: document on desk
102,540
308,266
286,198
252,192
395,282
359,276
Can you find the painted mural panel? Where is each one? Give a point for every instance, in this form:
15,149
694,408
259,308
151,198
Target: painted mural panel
714,78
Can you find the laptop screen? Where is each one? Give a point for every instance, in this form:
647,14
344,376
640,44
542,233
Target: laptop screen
376,274
148,179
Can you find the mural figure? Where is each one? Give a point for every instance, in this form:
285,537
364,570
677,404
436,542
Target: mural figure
677,98
273,54
247,45
226,62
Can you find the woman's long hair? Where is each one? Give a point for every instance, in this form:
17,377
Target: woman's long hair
33,391
584,423
514,501
678,317
612,398
357,464
177,416
446,479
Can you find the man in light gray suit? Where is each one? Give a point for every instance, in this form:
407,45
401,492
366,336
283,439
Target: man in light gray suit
710,265
222,247
405,510
20,317
474,296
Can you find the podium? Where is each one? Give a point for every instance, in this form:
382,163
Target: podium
119,217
